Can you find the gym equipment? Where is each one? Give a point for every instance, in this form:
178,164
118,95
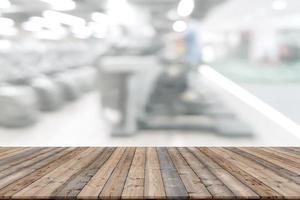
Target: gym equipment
49,95
19,106
125,83
68,85
86,78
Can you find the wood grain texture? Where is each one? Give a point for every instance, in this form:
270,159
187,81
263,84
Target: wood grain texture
93,188
280,184
115,184
275,159
233,184
150,173
194,186
279,170
255,184
46,186
214,185
55,162
173,184
76,183
154,186
134,186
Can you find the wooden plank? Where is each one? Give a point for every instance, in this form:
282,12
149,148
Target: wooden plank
43,153
5,149
280,184
11,152
149,173
283,154
237,187
23,169
20,157
115,184
154,187
76,183
212,183
93,188
48,165
134,185
172,182
255,184
289,151
296,150
194,186
44,187
273,158
279,170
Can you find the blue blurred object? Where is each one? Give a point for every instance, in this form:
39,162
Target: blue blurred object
193,46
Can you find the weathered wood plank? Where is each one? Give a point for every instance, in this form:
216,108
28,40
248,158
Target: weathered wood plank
13,174
93,188
279,170
273,158
294,149
289,151
20,157
255,184
280,184
77,182
44,187
154,187
236,186
49,165
115,184
150,173
212,183
11,152
284,155
194,186
42,154
173,184
134,185
5,149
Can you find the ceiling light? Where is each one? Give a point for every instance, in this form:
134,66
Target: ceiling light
6,22
172,15
279,4
5,45
179,26
29,26
54,34
64,18
98,29
99,17
36,24
61,5
185,8
8,31
82,32
121,12
5,4
7,27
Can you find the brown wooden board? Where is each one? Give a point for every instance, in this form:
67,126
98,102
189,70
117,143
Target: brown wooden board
150,173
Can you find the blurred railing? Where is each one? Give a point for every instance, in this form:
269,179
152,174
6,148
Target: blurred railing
267,121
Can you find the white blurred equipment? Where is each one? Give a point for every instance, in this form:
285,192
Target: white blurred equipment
49,94
125,83
19,106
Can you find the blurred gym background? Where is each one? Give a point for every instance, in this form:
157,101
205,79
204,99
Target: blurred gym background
149,72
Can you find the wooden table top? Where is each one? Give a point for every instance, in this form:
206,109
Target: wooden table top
152,173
